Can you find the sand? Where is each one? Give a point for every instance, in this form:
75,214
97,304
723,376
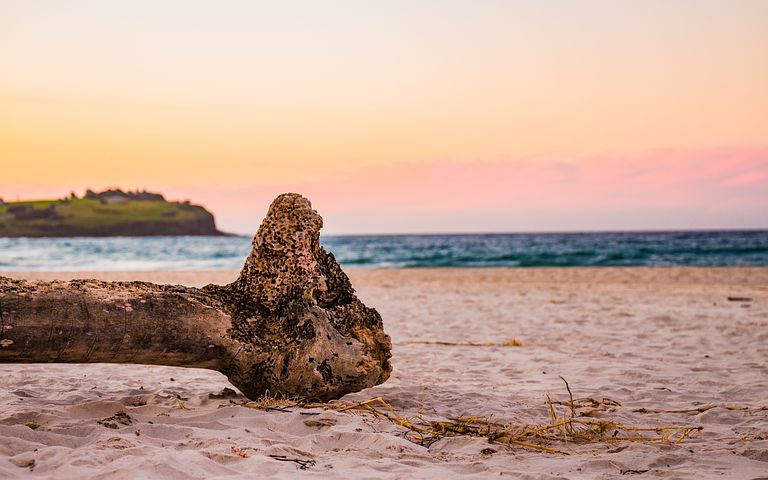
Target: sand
648,338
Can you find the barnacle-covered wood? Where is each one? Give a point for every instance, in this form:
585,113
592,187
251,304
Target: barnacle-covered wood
290,324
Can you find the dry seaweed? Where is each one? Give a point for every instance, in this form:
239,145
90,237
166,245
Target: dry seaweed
694,410
112,422
745,409
179,401
559,430
272,402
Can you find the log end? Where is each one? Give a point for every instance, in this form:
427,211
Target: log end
304,332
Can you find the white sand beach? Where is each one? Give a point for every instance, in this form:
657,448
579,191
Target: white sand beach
650,339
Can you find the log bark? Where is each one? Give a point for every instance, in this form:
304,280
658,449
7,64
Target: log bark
290,324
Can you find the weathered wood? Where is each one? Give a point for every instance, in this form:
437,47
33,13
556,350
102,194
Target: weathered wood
290,324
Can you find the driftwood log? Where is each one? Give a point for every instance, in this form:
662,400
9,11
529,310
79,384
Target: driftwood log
290,324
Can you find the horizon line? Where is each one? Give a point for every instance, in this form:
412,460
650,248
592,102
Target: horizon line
544,232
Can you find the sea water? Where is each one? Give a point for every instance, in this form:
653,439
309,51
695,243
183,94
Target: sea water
712,248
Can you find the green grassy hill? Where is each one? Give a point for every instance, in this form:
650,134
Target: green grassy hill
111,216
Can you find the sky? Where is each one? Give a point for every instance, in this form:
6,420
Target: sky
397,116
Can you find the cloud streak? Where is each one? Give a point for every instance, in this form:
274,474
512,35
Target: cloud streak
704,188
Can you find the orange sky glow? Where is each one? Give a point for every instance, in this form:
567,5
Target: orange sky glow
399,117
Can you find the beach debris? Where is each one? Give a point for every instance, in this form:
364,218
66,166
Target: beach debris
23,462
745,409
272,402
301,464
179,401
112,422
32,425
588,407
320,422
693,410
290,324
242,451
512,342
545,437
226,393
739,299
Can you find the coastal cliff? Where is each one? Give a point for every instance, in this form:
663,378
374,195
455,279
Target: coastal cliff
103,214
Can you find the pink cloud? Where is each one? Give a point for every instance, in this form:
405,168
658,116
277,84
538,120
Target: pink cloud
714,182
746,179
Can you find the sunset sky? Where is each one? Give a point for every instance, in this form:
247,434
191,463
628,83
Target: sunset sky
397,116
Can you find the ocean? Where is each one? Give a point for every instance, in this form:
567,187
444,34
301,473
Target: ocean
703,248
